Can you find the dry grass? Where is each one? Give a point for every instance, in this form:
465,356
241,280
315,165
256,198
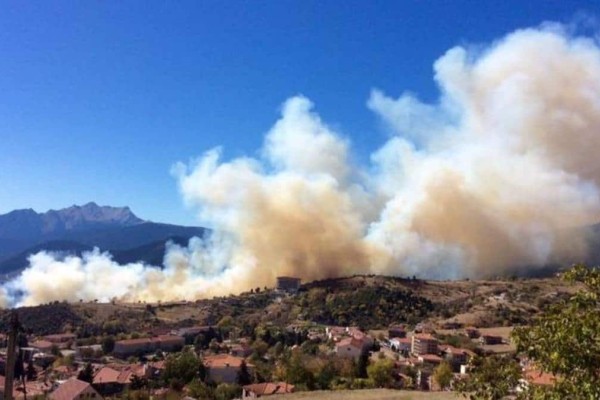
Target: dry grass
374,394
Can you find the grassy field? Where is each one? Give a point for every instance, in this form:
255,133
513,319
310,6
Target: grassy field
374,394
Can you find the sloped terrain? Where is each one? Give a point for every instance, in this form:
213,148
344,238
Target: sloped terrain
371,302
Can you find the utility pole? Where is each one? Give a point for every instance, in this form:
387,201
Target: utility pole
11,355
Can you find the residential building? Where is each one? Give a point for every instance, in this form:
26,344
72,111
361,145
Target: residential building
109,381
266,389
168,343
424,343
397,331
431,359
35,389
43,346
61,338
490,339
74,389
242,350
223,368
190,333
335,333
472,332
288,283
539,378
360,335
349,348
456,356
401,345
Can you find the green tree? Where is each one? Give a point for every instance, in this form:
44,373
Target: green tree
243,375
380,372
108,344
490,378
31,372
55,350
297,373
200,390
362,364
138,382
200,342
565,340
227,391
182,367
86,374
443,375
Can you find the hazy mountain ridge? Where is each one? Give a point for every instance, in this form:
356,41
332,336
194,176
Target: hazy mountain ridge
27,224
81,228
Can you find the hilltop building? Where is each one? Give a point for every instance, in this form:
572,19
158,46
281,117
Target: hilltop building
288,283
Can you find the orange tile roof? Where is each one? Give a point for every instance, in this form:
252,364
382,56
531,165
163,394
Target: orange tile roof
34,388
157,364
69,390
536,377
430,358
223,360
350,341
60,337
106,375
424,336
268,388
41,344
456,350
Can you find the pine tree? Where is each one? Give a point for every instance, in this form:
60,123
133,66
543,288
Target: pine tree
86,374
243,375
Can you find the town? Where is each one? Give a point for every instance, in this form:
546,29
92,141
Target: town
230,359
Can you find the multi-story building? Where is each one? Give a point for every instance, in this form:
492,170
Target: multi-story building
424,343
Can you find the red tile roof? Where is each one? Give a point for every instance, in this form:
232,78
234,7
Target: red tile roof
424,336
69,390
430,358
268,388
456,351
223,360
350,341
41,344
106,375
539,378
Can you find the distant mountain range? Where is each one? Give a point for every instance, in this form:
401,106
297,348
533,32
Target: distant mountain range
80,228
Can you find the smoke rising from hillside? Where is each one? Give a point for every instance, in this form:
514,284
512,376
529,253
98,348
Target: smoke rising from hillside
500,173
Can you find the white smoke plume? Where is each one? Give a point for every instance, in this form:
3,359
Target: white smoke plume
500,173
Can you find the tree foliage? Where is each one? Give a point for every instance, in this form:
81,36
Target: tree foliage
491,378
108,344
183,367
243,375
565,340
380,372
443,375
86,374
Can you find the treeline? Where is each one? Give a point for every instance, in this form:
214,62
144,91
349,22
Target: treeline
368,307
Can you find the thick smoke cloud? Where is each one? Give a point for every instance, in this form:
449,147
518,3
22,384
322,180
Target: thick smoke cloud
499,174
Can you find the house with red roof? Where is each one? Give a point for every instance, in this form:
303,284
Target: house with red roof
456,356
131,347
74,389
266,389
223,368
349,347
108,381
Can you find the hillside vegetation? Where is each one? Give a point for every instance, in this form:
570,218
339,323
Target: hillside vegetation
373,394
371,302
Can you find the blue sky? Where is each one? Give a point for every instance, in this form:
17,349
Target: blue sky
99,99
